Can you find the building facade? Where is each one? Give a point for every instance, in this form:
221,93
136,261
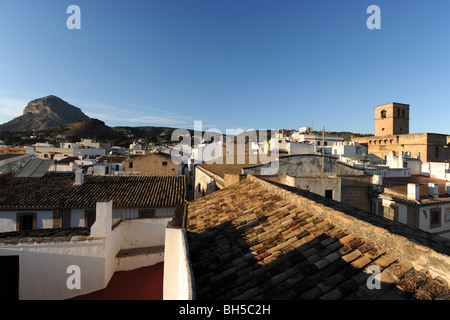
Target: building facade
153,164
392,134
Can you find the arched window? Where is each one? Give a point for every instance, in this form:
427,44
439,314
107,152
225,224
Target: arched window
436,152
383,114
403,113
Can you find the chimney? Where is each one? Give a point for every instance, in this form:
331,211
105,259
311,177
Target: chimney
413,191
433,190
79,177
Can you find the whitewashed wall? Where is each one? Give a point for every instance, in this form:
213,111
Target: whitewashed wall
8,221
43,266
424,221
141,233
44,219
178,279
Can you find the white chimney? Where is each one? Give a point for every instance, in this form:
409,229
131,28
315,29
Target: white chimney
79,177
377,179
413,191
433,190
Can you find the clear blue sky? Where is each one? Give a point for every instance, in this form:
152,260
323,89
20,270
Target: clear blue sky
230,63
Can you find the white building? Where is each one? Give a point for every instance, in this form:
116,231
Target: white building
67,149
348,149
305,135
52,225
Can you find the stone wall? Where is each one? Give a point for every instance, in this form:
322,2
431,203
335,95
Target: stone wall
308,166
418,143
152,164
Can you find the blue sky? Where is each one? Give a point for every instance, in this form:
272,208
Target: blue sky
230,63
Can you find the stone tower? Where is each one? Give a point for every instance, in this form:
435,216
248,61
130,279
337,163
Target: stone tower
391,119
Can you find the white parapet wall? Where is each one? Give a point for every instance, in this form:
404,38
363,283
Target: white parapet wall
45,267
142,243
178,277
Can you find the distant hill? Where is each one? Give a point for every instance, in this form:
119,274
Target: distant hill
91,128
45,113
52,119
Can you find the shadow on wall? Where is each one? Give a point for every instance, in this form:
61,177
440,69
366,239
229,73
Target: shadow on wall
329,264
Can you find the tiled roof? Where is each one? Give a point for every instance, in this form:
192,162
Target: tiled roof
42,235
57,190
246,242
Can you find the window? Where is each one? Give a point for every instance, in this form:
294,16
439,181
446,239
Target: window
390,212
147,213
26,221
89,218
403,113
435,218
398,113
383,114
130,165
164,163
436,152
329,194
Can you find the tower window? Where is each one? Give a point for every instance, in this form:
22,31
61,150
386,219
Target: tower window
403,113
383,114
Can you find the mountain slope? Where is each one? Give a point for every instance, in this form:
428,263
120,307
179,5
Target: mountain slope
91,128
44,113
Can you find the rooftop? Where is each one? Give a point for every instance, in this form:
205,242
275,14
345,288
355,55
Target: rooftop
397,188
44,235
57,190
112,159
261,240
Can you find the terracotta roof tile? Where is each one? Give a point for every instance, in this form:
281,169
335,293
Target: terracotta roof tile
56,190
248,243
